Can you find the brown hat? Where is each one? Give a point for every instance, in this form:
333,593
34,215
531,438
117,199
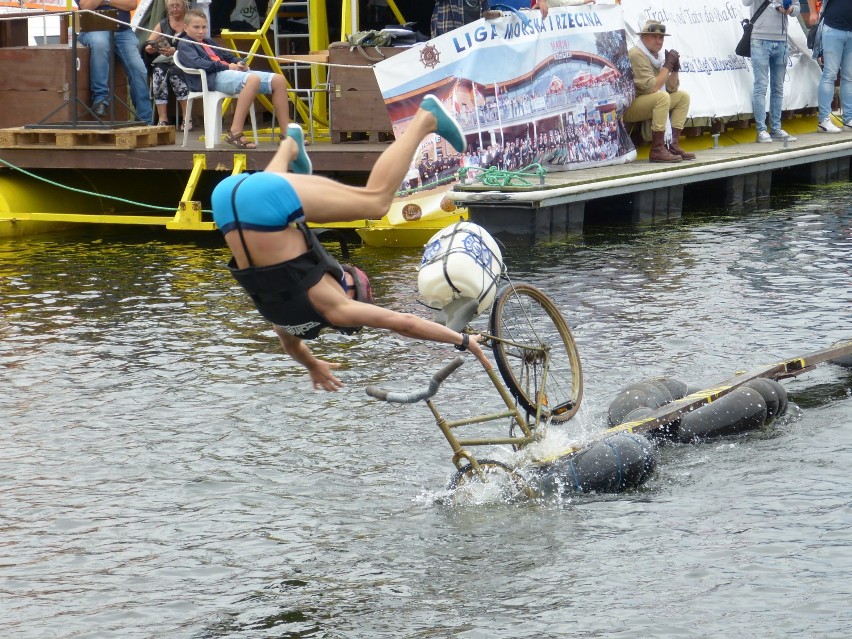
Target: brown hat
654,27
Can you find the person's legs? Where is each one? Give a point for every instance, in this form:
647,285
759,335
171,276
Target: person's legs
679,106
98,43
761,51
846,79
177,82
244,101
127,50
653,106
160,92
832,54
777,72
324,200
275,85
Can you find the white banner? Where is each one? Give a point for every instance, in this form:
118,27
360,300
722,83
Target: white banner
526,92
705,33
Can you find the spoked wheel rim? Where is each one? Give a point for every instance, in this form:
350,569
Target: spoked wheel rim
533,334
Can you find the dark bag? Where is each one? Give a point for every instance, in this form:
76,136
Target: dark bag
743,47
812,35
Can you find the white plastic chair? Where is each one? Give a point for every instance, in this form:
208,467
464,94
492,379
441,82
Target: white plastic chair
212,102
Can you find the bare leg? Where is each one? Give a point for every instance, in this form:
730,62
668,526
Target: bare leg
325,200
281,102
162,113
244,101
285,154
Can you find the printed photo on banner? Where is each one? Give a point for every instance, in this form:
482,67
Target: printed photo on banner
525,90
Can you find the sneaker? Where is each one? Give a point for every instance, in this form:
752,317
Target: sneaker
302,163
100,108
780,135
763,137
448,128
827,126
848,125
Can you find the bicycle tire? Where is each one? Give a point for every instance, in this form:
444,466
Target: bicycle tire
511,485
522,315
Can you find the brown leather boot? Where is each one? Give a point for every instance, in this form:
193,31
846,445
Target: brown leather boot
659,151
675,148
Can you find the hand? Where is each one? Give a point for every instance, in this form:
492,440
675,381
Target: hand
541,5
672,60
476,350
813,18
322,377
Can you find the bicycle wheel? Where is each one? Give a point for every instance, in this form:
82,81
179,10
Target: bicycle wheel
531,334
500,483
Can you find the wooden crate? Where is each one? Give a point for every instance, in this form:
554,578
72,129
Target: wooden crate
135,137
357,111
39,81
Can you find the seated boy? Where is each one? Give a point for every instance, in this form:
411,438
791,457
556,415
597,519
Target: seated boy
226,73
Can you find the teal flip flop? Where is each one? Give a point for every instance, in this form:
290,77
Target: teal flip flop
448,128
302,163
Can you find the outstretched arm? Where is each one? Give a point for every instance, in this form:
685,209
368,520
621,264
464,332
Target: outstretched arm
319,370
346,312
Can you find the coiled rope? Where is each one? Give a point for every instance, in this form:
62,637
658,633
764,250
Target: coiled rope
492,176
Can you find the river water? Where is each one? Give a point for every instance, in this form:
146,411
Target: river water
166,472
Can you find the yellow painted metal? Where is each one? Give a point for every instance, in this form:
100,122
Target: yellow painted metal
92,218
318,41
348,18
396,12
317,38
260,41
188,214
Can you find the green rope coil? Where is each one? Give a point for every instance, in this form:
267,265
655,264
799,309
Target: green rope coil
492,176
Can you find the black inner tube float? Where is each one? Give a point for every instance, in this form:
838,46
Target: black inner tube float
626,460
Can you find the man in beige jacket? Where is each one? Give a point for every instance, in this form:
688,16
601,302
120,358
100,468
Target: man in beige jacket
658,94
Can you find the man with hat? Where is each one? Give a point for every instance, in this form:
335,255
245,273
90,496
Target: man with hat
658,98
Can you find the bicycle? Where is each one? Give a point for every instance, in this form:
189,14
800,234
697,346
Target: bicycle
542,382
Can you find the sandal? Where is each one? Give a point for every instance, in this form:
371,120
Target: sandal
239,140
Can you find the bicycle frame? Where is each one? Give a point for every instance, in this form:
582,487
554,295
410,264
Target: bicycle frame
530,430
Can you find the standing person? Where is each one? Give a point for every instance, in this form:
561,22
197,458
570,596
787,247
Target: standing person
127,50
292,280
769,63
836,56
452,14
165,73
227,73
658,94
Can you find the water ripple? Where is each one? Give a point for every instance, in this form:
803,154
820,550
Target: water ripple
167,472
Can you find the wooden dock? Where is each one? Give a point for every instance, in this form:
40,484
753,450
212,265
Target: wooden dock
642,192
728,175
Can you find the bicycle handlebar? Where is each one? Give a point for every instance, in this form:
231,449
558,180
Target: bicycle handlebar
416,396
